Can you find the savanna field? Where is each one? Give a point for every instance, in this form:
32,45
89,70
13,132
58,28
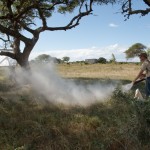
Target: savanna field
28,121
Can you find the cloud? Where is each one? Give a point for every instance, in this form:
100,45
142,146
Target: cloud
87,53
113,25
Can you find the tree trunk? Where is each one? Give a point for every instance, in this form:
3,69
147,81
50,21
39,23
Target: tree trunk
23,61
25,74
24,64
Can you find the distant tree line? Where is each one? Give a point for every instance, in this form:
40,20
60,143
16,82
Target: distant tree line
131,52
45,58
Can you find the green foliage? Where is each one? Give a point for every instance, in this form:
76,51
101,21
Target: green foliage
102,60
148,52
134,50
29,10
71,5
43,58
105,1
113,59
65,59
17,7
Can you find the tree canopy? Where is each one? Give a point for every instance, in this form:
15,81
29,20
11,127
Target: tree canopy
102,60
134,50
66,58
43,58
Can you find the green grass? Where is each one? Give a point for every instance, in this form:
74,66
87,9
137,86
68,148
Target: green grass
120,123
29,122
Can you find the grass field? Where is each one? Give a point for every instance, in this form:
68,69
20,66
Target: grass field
29,122
99,71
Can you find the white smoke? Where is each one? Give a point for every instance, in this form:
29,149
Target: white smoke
46,81
127,87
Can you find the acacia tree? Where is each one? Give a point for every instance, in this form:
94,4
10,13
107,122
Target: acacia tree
43,58
134,50
18,17
65,59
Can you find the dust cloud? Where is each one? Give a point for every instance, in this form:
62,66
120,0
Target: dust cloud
46,80
127,87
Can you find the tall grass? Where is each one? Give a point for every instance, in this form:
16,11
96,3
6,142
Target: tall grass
121,123
29,122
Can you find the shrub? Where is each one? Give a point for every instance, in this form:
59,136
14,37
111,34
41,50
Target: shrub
102,60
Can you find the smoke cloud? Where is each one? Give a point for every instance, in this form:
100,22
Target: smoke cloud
127,87
45,80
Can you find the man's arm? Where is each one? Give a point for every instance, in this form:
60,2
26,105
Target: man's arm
140,74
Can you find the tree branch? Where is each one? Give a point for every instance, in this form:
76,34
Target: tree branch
42,17
71,24
9,54
9,3
81,7
128,10
5,17
147,2
49,8
142,12
74,21
14,34
26,27
16,46
24,11
5,40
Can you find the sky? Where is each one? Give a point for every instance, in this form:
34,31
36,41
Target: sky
98,35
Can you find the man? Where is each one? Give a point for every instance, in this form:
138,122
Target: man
144,72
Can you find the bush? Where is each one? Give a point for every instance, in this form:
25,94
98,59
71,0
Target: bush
102,60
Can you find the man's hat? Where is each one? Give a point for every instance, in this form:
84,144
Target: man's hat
143,54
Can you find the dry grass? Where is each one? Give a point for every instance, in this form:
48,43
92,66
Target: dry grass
27,123
100,71
118,124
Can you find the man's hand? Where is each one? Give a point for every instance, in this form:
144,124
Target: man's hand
142,76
